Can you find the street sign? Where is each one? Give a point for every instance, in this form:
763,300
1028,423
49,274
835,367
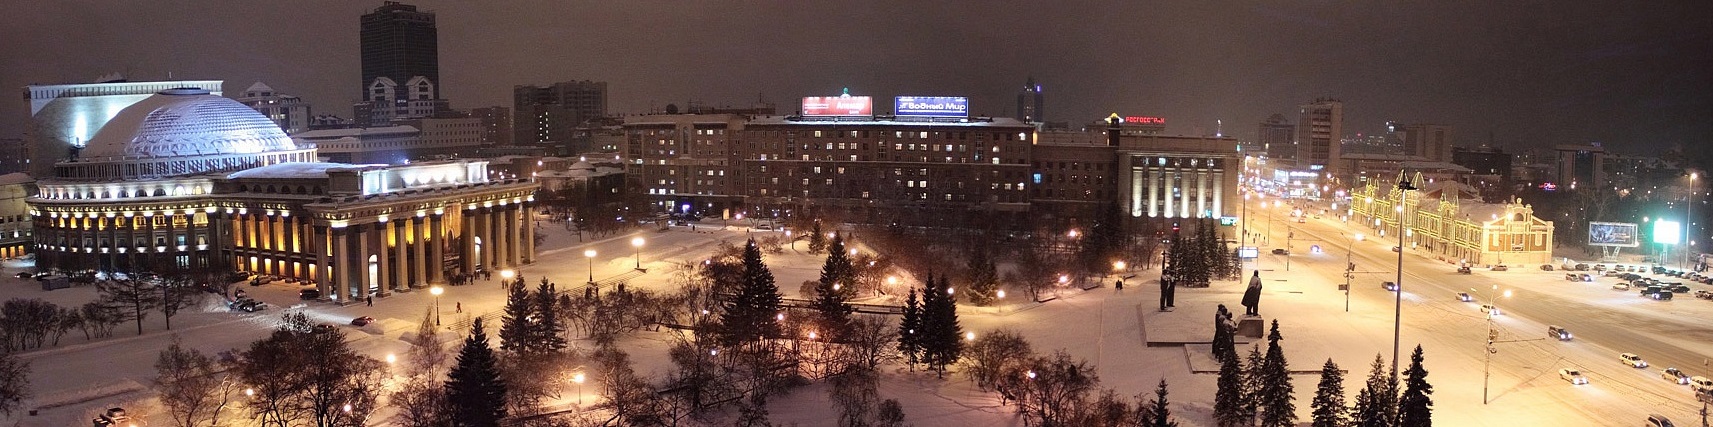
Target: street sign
1228,221
1248,252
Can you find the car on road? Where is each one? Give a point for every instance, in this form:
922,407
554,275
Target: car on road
248,305
1621,286
1301,220
1571,277
763,227
1389,286
1678,288
1574,376
1582,267
1489,308
1558,333
1281,251
309,294
1633,360
1546,267
1674,375
1703,294
1599,267
1700,384
1464,297
1500,267
1585,277
1661,295
1464,270
1657,420
362,321
1395,249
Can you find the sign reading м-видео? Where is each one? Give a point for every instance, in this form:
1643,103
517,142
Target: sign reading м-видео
931,106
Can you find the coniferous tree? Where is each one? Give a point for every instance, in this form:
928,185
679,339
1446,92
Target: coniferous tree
751,315
1415,407
516,332
1159,415
1329,409
984,277
909,330
1377,400
943,337
475,393
1228,406
833,292
1276,390
547,334
1254,382
817,240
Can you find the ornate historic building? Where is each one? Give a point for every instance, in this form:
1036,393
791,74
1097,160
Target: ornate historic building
1444,219
191,182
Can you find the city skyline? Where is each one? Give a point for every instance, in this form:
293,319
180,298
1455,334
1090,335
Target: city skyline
1633,77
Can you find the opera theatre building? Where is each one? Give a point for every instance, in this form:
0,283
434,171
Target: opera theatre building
185,182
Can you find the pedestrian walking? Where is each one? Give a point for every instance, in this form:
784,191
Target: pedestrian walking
370,300
460,307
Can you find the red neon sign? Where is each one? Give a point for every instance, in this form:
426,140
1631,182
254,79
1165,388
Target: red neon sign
1144,120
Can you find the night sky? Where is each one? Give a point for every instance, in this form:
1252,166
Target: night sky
1637,76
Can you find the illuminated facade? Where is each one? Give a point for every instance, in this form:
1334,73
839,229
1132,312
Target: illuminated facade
1445,220
191,182
63,117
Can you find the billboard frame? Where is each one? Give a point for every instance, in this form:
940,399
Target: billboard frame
1635,234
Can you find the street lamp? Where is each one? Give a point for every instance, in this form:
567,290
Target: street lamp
637,243
1349,268
1398,304
436,291
1492,334
590,254
508,274
578,377
1689,220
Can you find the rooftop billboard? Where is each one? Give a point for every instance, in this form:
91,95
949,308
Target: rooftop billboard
843,105
931,106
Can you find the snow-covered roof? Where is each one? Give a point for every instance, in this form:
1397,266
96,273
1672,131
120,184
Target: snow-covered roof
15,178
355,132
186,122
303,170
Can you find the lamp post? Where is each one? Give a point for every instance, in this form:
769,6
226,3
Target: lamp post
1349,268
436,291
590,254
1245,216
1398,303
1689,221
637,242
578,377
1492,334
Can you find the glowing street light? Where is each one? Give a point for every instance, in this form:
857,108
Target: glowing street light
578,377
508,274
590,254
436,291
637,243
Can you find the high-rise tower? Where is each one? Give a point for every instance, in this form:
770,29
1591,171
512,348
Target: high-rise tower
399,42
1320,135
1029,103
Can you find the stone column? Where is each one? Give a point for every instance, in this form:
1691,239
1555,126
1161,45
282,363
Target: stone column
318,243
365,239
467,223
419,248
340,268
383,270
401,255
528,233
437,248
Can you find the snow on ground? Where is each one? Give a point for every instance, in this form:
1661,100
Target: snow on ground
1107,327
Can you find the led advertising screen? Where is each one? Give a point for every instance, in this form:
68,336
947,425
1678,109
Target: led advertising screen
843,105
931,106
1667,232
1619,234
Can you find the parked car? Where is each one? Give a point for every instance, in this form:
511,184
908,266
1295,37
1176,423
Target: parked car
362,321
1678,288
1621,286
1582,267
1700,384
1501,267
1558,333
1662,295
1650,290
309,294
1633,360
1389,286
1464,297
248,305
763,227
1571,277
1546,267
1703,294
1674,375
1574,376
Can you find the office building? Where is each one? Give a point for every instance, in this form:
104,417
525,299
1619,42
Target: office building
550,115
1580,166
407,141
496,125
1030,103
1320,136
290,112
1428,141
191,183
399,42
1277,137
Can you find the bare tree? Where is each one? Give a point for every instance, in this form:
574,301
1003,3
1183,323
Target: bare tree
304,370
870,341
626,393
133,298
992,354
176,294
14,383
421,399
98,319
188,382
25,323
854,393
